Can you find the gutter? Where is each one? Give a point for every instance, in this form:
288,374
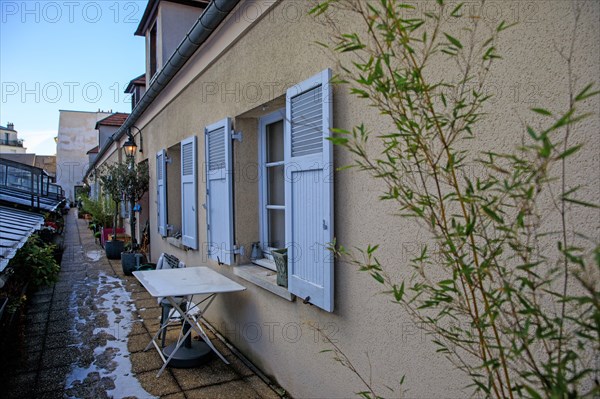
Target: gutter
206,24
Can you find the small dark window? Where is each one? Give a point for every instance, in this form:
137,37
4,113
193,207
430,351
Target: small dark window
153,54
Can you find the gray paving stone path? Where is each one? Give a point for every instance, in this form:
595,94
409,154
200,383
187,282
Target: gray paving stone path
86,334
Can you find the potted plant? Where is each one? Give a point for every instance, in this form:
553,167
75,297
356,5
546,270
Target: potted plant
136,181
281,262
112,180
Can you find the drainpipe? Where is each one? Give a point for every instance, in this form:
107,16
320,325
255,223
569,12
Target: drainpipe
210,19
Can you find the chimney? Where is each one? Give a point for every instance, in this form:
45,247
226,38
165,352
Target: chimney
10,126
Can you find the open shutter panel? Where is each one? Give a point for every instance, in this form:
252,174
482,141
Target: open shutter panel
309,190
161,193
189,215
219,192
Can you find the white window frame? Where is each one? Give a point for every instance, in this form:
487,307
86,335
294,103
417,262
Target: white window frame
265,121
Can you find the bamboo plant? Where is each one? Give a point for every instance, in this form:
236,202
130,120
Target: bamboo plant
520,320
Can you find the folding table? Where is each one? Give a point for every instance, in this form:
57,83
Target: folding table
189,281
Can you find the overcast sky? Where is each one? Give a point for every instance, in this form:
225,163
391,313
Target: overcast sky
74,55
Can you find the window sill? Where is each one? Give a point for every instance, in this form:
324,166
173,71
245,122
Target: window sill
265,263
266,279
176,242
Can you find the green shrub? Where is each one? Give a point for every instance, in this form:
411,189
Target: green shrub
101,210
35,263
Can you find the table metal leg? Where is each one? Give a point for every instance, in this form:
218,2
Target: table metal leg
193,321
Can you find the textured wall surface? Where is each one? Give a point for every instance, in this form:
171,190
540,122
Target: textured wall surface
76,136
279,51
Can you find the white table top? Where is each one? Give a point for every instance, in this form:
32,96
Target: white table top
186,281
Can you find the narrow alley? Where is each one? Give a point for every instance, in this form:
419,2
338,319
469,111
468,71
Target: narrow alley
85,338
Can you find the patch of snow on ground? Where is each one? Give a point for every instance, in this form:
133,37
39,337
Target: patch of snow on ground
94,256
105,367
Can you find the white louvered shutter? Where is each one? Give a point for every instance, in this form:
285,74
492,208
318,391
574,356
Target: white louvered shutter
161,191
309,190
189,215
219,192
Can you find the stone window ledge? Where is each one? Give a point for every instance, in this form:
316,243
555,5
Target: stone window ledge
176,242
264,278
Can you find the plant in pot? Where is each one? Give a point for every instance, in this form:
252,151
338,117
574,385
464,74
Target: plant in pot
102,211
112,180
136,180
281,261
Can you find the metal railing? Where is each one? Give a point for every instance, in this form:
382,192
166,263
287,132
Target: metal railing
12,143
28,182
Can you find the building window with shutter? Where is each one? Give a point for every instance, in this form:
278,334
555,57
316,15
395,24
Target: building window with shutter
309,190
153,61
173,191
295,186
177,192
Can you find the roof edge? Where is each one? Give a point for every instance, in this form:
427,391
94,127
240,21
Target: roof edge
207,23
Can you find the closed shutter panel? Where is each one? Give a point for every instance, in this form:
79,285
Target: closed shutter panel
161,191
189,215
219,192
309,190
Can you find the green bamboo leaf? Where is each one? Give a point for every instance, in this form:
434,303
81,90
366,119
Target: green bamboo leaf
531,132
582,203
489,54
503,26
399,292
336,140
570,151
542,111
585,93
455,12
532,392
378,277
371,249
492,214
339,131
320,8
454,41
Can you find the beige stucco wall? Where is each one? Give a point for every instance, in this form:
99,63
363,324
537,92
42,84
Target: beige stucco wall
11,149
279,51
76,136
10,135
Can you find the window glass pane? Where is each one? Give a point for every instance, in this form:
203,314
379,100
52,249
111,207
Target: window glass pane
276,185
19,178
275,142
3,175
276,228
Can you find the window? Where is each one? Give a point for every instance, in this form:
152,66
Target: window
295,187
153,54
272,186
173,189
176,176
